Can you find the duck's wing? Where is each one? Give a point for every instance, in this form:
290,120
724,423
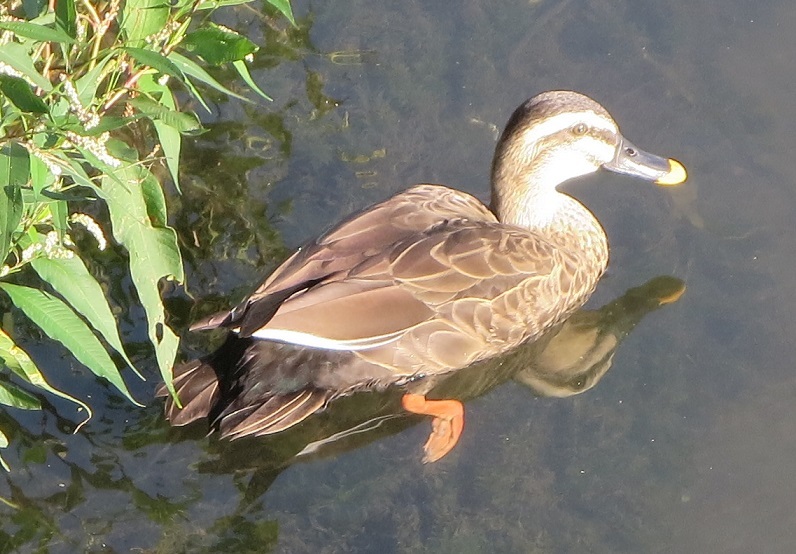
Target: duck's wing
431,287
356,238
439,299
347,245
490,287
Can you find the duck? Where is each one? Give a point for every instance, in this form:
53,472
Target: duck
422,284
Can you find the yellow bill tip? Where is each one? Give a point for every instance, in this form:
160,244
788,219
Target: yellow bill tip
677,174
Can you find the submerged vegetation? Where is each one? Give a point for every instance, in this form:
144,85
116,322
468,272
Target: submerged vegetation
89,128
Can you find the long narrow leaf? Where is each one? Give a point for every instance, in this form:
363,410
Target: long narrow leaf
62,324
168,134
16,397
87,85
36,32
21,94
243,71
155,202
60,212
14,171
70,278
40,176
183,122
154,60
190,67
18,361
66,16
154,255
73,169
196,94
17,56
284,8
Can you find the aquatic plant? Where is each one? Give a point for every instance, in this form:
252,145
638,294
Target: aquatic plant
90,120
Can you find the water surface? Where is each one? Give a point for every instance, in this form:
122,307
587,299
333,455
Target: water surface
685,445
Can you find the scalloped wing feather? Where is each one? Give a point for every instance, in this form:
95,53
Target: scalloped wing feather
351,243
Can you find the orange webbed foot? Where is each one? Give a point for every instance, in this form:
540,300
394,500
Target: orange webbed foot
446,427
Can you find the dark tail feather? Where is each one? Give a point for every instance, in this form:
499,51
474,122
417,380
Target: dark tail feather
240,388
274,414
196,385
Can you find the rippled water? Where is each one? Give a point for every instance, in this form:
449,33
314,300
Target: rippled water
685,445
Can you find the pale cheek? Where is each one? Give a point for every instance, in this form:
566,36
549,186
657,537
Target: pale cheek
563,168
597,150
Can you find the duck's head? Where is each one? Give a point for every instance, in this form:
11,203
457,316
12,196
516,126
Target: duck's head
559,135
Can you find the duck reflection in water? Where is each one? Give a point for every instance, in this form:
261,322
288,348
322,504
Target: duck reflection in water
422,285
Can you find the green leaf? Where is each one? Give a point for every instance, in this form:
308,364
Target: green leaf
218,45
21,94
190,67
97,163
154,60
60,213
62,324
243,71
142,18
155,202
16,55
185,123
14,172
284,8
16,397
154,253
168,134
70,278
73,169
73,195
18,361
88,84
40,175
66,16
36,32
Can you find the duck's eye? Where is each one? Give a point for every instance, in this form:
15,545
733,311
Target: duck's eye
580,129
631,152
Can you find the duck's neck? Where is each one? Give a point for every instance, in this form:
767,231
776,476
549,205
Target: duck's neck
518,199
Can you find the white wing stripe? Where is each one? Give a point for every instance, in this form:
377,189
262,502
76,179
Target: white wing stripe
314,341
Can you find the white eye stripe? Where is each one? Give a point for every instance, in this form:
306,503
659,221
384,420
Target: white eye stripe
567,120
